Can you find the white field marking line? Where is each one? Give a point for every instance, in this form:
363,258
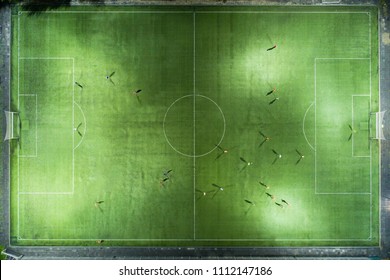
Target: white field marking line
73,102
85,126
224,125
303,126
345,193
353,96
369,39
370,80
113,2
331,2
36,114
194,118
342,58
371,198
315,128
18,149
106,239
165,134
36,128
286,239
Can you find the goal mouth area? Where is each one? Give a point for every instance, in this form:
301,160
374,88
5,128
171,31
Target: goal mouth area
12,122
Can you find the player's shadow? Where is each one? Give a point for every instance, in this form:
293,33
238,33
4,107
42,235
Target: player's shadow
36,7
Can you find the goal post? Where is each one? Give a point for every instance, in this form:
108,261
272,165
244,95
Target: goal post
376,118
12,125
10,254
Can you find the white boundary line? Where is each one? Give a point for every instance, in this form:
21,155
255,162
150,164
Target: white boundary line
200,239
342,58
287,239
193,97
352,110
36,130
344,193
198,12
45,193
46,58
9,146
276,12
315,134
114,12
370,54
194,119
18,153
36,126
85,125
352,124
285,12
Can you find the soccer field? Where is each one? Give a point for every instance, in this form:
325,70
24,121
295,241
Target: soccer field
185,126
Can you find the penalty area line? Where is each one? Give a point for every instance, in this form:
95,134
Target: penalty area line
303,127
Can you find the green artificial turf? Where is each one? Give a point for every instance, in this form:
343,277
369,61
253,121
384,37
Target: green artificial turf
91,158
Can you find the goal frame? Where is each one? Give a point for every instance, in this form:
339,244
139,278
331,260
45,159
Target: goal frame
378,125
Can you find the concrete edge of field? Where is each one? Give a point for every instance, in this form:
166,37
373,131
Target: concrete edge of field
70,252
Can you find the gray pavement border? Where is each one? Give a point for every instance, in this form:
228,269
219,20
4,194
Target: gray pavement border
5,40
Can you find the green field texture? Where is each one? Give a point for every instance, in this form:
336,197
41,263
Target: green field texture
91,159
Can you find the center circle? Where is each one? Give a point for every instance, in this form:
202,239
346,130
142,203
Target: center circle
194,125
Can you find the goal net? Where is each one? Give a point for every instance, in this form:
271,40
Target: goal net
330,1
379,125
12,125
